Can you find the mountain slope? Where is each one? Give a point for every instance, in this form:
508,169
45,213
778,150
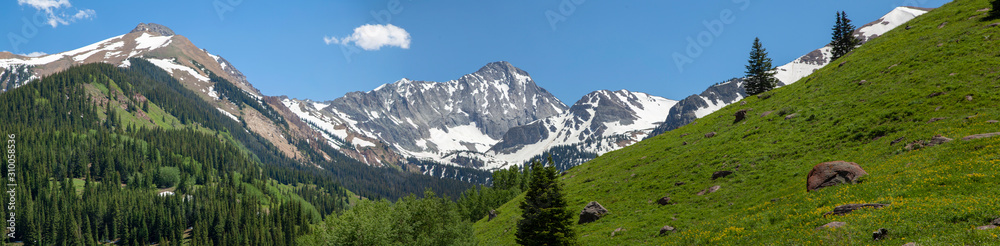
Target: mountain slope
809,63
258,124
719,95
129,155
913,90
193,67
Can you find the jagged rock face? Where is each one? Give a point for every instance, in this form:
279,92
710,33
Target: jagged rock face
594,118
489,119
697,106
415,115
522,135
153,28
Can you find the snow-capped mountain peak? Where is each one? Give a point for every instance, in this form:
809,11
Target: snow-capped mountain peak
430,119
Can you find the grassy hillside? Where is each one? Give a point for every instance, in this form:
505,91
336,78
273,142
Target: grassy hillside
938,194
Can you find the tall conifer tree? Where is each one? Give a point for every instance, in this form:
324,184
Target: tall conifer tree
843,40
545,220
760,73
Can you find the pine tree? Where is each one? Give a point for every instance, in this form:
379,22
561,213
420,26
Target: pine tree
760,73
995,9
843,40
545,220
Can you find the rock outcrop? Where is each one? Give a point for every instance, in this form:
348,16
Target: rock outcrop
721,174
848,208
833,173
835,224
592,212
666,229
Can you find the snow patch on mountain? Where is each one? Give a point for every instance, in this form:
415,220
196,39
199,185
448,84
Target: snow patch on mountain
231,116
890,21
150,42
170,66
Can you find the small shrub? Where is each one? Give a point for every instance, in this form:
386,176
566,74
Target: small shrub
167,177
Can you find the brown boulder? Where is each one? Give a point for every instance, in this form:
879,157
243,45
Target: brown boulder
740,115
709,190
880,234
592,212
833,173
666,229
848,208
978,136
835,224
619,230
710,134
932,120
663,200
938,139
721,174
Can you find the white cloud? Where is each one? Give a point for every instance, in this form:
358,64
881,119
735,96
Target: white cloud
54,11
374,37
330,40
45,4
35,54
84,14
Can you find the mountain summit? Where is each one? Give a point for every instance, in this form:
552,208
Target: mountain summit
431,119
157,29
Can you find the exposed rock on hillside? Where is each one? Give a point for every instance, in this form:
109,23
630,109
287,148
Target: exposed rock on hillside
833,173
848,208
978,136
592,212
835,224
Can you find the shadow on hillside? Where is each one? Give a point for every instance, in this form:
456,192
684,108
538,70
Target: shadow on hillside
992,13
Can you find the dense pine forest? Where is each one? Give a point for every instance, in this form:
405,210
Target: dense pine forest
129,156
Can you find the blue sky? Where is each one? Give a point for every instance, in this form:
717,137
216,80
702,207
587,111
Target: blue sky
592,44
